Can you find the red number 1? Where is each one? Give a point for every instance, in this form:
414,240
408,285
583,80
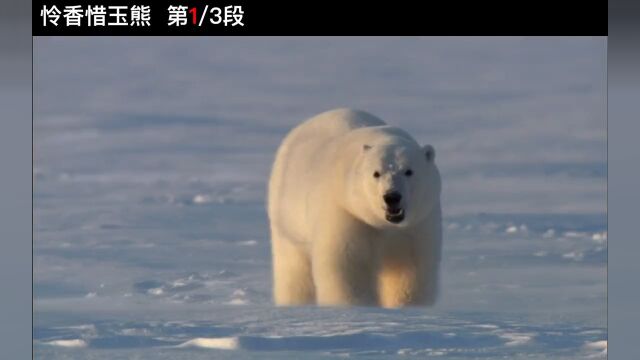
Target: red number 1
193,15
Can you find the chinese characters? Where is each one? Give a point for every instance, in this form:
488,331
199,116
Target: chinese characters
139,15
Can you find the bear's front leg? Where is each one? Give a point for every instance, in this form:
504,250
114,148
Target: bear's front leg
408,275
344,267
410,265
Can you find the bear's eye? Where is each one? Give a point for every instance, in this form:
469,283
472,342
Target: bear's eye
409,172
376,174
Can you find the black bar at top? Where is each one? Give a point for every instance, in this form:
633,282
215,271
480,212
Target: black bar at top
263,17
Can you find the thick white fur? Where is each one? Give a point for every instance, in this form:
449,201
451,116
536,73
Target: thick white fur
331,242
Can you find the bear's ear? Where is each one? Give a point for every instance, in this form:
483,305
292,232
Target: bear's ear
429,152
366,147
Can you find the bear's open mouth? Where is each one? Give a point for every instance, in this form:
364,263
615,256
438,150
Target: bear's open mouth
395,215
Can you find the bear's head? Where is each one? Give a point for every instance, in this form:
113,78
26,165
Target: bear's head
394,182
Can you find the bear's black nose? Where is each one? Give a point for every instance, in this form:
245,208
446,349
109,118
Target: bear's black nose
392,198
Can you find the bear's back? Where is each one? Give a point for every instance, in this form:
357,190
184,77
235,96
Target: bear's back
333,123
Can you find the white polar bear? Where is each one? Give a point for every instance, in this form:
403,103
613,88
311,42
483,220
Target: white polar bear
354,210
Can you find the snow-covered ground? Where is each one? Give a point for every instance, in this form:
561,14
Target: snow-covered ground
151,161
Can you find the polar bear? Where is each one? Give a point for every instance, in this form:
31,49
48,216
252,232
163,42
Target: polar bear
354,212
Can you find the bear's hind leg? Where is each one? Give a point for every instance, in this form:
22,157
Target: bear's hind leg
292,281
